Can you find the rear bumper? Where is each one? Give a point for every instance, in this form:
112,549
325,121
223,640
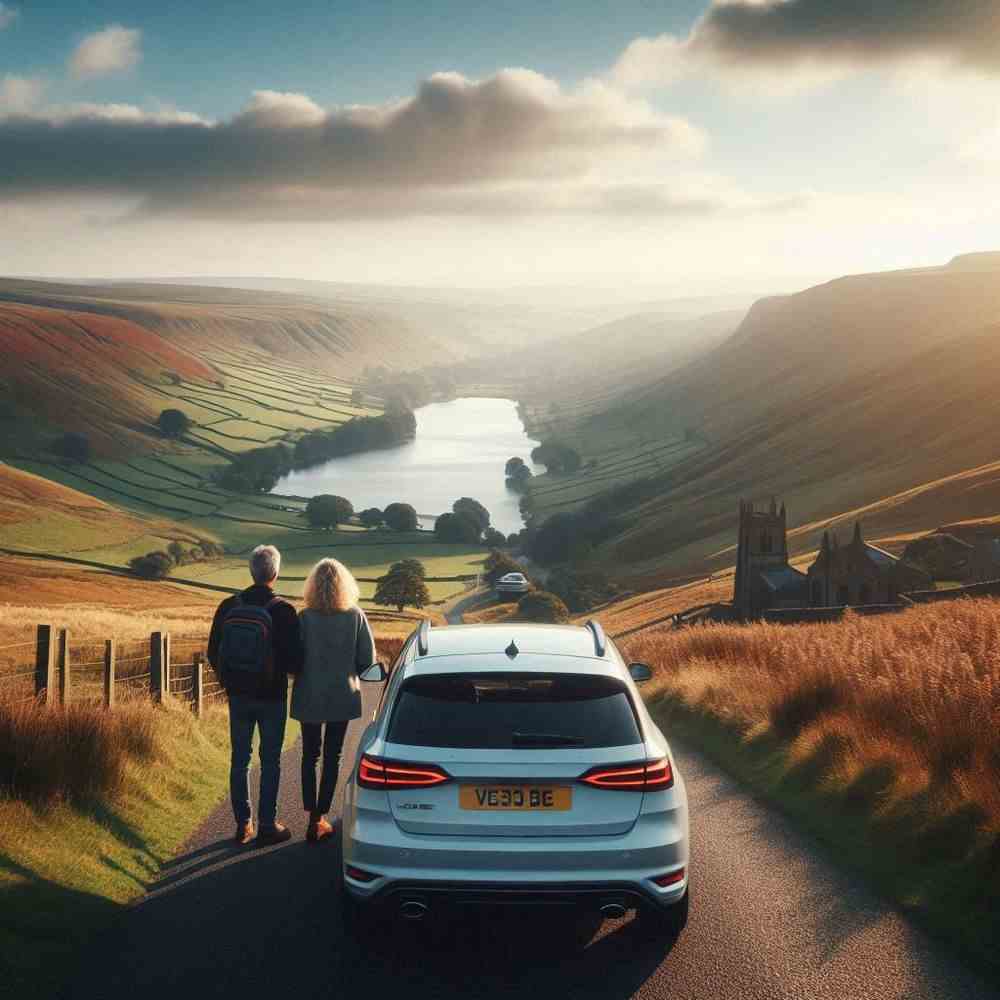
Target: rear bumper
579,895
522,869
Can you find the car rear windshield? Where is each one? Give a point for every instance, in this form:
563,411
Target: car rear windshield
514,711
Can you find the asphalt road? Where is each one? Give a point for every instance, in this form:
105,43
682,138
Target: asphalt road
770,918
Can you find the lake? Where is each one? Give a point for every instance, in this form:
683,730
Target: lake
460,450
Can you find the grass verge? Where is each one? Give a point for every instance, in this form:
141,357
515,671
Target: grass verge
77,847
877,739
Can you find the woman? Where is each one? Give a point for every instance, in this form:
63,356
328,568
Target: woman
338,647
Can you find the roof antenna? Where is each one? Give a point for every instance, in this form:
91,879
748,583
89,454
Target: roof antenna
512,650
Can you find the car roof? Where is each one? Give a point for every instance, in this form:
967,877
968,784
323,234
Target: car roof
488,645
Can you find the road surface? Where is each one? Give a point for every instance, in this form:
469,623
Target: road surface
770,918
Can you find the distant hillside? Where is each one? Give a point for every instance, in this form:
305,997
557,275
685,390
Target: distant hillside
92,358
844,398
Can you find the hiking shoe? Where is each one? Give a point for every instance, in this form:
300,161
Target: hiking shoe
318,829
277,834
244,832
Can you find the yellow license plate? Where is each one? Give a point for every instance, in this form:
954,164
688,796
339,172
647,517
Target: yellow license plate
515,798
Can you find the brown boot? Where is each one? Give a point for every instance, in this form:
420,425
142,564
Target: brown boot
319,828
244,832
276,834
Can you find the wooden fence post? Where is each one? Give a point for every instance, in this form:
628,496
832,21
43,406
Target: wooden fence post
156,667
166,663
65,684
198,685
109,674
45,665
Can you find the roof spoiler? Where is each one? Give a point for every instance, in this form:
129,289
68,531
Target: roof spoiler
600,642
424,637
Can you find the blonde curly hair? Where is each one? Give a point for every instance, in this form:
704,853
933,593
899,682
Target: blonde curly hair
330,587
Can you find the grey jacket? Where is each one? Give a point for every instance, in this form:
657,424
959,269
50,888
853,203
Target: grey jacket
338,647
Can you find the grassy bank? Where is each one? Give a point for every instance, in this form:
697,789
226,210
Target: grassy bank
880,737
91,804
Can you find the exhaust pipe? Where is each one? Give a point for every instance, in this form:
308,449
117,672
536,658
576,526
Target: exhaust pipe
613,911
412,909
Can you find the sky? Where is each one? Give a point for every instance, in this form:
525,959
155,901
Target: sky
688,146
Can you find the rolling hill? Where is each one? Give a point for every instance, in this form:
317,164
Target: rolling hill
101,359
870,396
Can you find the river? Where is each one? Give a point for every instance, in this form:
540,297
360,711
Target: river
460,450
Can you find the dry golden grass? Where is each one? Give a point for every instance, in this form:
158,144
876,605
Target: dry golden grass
915,695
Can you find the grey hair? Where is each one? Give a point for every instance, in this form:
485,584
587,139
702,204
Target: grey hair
265,563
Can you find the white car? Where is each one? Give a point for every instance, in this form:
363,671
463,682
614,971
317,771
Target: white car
515,763
513,583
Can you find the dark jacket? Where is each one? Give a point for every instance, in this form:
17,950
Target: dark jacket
287,638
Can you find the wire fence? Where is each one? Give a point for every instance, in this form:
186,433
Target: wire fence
56,669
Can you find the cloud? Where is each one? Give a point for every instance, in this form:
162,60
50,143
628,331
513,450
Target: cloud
20,94
819,39
515,141
8,15
109,51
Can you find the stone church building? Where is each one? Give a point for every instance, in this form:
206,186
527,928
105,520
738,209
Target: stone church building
851,575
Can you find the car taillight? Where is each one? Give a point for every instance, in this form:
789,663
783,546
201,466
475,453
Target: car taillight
669,879
359,874
373,772
649,776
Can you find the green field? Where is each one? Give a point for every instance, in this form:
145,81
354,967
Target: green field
173,492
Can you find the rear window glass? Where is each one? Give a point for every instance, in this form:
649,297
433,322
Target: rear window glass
513,711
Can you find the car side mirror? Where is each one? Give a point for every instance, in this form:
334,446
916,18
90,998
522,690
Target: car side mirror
640,672
375,674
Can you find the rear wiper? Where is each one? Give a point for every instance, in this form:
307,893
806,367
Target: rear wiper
545,740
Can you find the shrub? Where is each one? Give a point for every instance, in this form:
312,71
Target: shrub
327,511
457,528
400,589
400,517
73,446
371,517
152,566
77,754
541,606
174,423
178,554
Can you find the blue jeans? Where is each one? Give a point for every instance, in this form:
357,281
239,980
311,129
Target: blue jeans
246,714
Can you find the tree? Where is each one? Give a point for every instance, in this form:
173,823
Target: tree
541,606
152,566
74,446
327,511
371,517
559,459
400,517
400,589
514,467
474,509
414,566
457,529
581,589
174,423
177,552
494,539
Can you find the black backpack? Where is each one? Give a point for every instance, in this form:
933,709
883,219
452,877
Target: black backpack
246,652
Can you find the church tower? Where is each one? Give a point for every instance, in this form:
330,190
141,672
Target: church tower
762,545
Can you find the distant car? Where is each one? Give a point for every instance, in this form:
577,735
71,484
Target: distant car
513,583
515,764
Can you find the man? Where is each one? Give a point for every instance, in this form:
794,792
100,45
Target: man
254,645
